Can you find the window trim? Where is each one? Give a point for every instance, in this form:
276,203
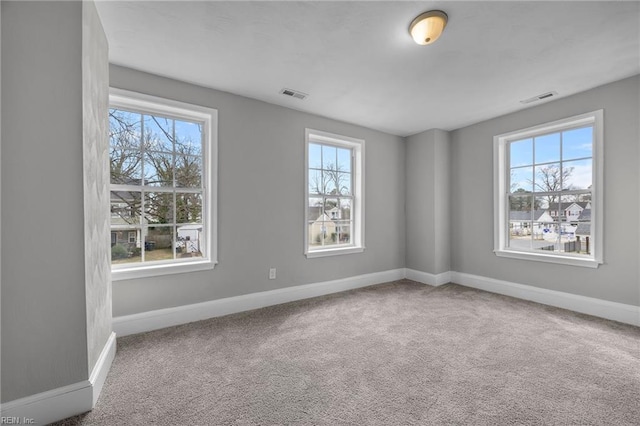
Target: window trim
144,103
358,146
500,195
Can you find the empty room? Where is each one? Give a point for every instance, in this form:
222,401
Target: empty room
320,212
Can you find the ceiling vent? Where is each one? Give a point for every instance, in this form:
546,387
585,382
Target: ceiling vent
293,93
539,97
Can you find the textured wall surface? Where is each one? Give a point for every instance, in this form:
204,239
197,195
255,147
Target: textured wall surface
472,197
44,339
261,202
95,103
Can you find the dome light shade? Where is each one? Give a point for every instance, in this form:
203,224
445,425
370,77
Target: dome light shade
428,26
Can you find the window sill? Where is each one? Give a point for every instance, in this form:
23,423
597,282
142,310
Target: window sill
549,258
160,270
333,252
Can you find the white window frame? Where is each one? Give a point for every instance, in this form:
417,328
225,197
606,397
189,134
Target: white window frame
143,103
357,209
501,191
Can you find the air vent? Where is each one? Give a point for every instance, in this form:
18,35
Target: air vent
539,97
293,93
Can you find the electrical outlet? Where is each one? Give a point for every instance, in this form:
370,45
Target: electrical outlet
272,273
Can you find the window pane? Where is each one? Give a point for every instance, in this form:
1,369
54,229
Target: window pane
315,232
343,229
158,169
158,243
520,207
188,171
331,233
188,138
315,156
541,208
520,218
125,246
521,153
158,133
125,166
158,207
567,237
577,174
314,209
125,208
329,157
124,130
537,234
584,239
345,208
521,179
344,160
547,178
344,183
188,208
576,207
329,180
321,227
577,143
330,206
550,237
315,182
547,148
189,241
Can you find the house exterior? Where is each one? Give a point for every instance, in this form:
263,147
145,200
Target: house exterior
584,224
568,212
125,211
321,229
521,224
189,238
331,225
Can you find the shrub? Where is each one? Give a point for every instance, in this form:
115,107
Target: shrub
119,252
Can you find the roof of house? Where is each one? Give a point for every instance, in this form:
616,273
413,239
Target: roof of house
524,216
585,215
566,205
190,227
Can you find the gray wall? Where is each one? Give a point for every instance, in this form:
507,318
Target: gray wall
428,199
472,197
95,104
0,193
56,315
261,199
44,339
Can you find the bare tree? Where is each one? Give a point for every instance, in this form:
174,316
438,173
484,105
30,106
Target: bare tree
182,166
124,137
333,180
551,178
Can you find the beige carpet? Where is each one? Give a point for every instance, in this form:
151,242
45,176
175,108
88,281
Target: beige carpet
394,354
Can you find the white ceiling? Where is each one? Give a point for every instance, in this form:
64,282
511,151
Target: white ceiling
358,63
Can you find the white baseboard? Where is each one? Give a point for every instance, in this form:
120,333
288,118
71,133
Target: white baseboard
153,320
427,278
66,401
161,318
102,367
621,312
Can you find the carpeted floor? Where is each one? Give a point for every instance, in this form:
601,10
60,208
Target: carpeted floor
394,354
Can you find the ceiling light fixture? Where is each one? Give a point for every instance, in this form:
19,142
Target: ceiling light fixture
428,26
